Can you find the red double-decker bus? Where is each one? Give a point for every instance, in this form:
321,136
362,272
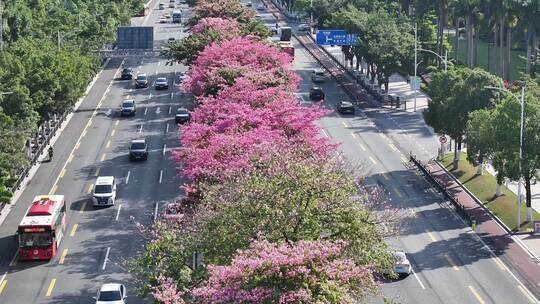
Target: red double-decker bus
42,228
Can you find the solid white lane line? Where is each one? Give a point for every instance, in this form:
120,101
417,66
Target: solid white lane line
167,128
527,294
170,109
164,149
140,128
156,211
14,259
106,258
118,212
127,177
418,279
160,175
324,133
3,278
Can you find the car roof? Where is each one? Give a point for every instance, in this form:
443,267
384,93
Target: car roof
316,88
346,102
135,141
142,74
128,69
318,71
162,78
181,109
110,287
104,180
128,100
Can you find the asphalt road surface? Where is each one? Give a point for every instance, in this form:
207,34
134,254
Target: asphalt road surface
98,242
450,263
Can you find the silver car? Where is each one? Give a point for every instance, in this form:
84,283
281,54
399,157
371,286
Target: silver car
403,265
317,76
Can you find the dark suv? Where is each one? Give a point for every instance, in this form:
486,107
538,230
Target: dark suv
344,107
141,81
182,115
127,74
316,93
138,150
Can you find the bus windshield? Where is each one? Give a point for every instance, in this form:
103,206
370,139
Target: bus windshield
35,239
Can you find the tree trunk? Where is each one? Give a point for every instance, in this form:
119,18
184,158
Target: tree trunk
480,170
528,39
476,39
528,198
508,53
467,34
498,192
501,47
456,155
456,53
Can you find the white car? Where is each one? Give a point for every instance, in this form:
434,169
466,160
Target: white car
317,75
111,294
171,5
403,266
104,193
162,20
260,7
304,27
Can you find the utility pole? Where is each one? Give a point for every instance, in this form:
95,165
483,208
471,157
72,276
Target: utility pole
529,214
415,64
311,18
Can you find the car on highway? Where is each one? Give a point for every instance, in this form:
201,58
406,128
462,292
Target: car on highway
138,150
163,20
167,15
111,293
127,108
162,83
104,193
316,93
304,28
171,40
317,75
161,6
258,17
345,107
402,266
171,5
182,115
141,81
261,7
249,4
127,74
182,77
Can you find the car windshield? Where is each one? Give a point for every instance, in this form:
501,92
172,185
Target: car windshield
127,104
137,146
141,77
319,73
101,189
35,239
161,80
113,295
127,70
182,111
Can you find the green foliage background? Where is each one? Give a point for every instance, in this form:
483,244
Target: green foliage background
43,78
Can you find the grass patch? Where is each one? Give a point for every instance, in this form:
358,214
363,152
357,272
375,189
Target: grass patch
484,188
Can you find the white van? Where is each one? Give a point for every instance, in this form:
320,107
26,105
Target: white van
104,193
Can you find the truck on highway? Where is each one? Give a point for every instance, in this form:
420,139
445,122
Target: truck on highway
42,228
177,16
285,33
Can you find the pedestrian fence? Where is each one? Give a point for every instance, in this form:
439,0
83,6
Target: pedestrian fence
454,200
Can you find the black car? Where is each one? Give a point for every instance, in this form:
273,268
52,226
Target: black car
127,74
182,115
127,108
344,107
316,93
141,81
138,150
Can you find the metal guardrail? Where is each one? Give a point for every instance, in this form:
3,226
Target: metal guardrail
36,146
443,189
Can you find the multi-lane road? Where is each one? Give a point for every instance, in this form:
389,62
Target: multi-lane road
451,264
95,142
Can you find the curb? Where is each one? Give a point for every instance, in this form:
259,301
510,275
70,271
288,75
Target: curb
529,251
13,201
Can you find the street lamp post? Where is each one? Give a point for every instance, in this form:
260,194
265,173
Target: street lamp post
416,63
311,18
521,100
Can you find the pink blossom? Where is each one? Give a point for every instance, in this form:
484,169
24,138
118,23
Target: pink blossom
220,25
301,272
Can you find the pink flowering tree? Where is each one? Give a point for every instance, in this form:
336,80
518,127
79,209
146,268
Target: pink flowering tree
229,9
216,24
220,64
299,272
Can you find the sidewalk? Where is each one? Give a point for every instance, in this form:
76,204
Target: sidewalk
398,85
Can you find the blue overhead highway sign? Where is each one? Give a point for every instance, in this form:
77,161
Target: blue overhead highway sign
335,37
